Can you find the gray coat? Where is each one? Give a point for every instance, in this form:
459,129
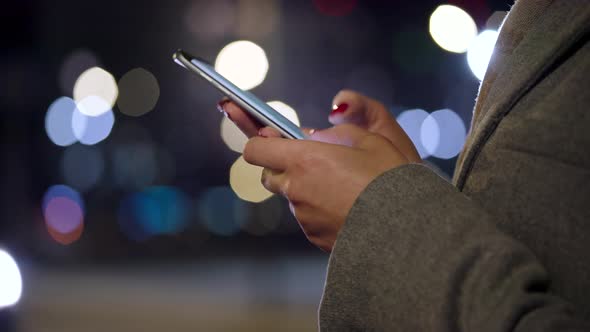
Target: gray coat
506,247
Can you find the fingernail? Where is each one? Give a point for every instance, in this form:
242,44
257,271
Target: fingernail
220,105
337,109
227,115
261,133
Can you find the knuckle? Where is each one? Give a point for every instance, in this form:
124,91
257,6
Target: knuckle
249,150
374,140
347,126
306,162
293,191
287,190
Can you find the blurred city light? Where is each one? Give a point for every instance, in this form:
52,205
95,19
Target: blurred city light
232,136
452,28
210,20
63,211
411,122
430,133
443,134
480,52
335,7
61,190
82,166
245,181
134,165
154,211
286,110
74,65
98,88
221,212
243,63
58,121
256,18
138,92
90,130
11,284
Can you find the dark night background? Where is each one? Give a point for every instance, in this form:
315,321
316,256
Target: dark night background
192,277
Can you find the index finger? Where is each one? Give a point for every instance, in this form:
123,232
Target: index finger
247,124
275,153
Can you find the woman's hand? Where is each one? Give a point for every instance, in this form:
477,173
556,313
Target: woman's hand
353,107
349,107
322,176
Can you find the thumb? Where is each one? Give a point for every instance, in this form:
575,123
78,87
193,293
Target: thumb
373,116
344,134
353,107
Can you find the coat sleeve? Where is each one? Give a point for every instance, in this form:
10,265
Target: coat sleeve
415,254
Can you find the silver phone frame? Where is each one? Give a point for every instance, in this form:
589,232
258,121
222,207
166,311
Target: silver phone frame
248,101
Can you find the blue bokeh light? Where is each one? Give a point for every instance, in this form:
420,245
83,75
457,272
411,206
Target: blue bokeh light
154,211
411,122
221,211
58,121
61,190
90,130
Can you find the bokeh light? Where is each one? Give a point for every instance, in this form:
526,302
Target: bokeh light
74,65
286,110
256,18
82,166
63,211
232,136
245,181
58,121
443,134
90,130
156,210
452,28
61,190
243,63
480,52
411,122
221,212
98,88
134,165
335,7
138,92
430,133
11,283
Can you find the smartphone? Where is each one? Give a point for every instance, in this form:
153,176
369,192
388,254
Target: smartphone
249,102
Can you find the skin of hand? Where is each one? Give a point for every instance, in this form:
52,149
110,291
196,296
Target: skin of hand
349,107
322,176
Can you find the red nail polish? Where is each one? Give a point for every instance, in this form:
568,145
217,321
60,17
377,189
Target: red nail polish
339,109
220,105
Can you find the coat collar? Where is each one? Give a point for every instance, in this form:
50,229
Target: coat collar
533,37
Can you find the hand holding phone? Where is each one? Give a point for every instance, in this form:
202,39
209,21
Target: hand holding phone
248,101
